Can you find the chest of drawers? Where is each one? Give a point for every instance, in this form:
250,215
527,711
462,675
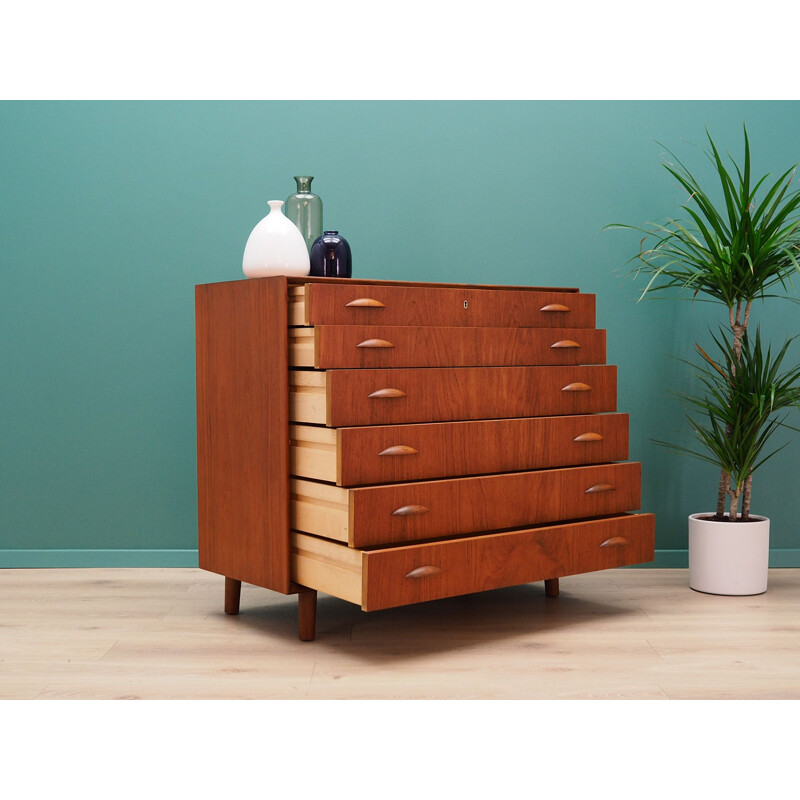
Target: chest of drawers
391,443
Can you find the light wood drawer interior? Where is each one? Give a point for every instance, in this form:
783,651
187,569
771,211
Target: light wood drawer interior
297,305
308,396
326,566
394,576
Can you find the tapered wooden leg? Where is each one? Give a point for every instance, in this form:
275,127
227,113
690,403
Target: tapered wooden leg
307,614
233,591
551,587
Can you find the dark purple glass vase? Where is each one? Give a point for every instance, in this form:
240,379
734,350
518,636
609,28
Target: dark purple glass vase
330,256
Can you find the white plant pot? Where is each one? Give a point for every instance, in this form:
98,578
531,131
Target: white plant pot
730,558
275,247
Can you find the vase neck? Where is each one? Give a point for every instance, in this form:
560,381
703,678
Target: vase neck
303,182
275,205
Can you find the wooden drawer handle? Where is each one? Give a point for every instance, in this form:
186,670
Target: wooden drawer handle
599,487
409,511
424,572
564,343
388,393
554,307
365,302
615,541
375,343
399,450
588,437
577,387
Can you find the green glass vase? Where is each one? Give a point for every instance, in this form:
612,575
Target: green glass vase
304,208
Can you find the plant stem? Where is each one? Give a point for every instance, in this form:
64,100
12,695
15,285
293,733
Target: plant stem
724,483
748,487
739,328
732,514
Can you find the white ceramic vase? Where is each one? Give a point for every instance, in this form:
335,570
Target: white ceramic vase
275,247
729,558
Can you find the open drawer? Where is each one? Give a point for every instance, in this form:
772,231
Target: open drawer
405,512
397,576
349,397
377,346
354,303
394,453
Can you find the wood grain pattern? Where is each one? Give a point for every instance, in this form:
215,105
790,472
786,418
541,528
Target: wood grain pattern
327,304
450,449
395,576
464,393
243,431
371,347
160,634
297,291
503,559
406,512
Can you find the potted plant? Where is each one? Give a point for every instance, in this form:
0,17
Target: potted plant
743,399
733,253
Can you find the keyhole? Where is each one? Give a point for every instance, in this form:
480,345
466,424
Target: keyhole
465,304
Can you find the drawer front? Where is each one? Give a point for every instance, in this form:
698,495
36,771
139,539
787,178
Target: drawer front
360,346
396,453
365,304
407,512
346,398
402,575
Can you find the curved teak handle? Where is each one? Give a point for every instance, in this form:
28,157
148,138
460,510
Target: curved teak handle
388,393
599,487
409,511
577,387
375,343
399,450
424,572
588,437
364,302
554,307
564,343
615,541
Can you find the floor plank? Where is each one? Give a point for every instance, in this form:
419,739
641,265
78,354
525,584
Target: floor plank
618,634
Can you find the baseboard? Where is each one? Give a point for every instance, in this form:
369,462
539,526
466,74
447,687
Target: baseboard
55,559
788,558
62,559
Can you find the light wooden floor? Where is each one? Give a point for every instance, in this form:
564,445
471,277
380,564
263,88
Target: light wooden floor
162,633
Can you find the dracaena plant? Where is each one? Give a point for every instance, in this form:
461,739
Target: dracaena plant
744,248
745,397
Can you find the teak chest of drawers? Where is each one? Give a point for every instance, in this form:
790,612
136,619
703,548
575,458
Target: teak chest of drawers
390,443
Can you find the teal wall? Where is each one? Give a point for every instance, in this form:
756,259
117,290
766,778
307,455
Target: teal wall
110,212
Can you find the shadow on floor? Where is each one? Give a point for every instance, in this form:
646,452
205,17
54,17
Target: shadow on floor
519,613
